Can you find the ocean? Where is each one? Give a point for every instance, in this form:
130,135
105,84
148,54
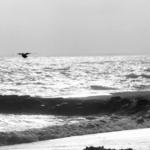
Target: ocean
53,77
73,76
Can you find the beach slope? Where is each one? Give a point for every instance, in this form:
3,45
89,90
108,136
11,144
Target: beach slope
138,139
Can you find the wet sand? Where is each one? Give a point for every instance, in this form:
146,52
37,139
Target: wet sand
136,139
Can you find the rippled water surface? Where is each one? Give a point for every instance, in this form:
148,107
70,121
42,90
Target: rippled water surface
66,76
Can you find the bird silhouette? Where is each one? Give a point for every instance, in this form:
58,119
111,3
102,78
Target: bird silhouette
24,55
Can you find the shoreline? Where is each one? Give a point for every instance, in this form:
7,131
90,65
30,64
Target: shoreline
136,139
107,124
121,111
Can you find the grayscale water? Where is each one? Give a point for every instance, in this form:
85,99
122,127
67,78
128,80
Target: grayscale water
73,76
66,77
14,122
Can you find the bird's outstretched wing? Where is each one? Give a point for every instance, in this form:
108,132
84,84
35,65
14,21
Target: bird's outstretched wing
27,53
24,53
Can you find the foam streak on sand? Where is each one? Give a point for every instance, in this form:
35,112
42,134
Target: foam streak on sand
136,139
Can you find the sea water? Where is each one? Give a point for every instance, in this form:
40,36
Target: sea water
68,76
21,122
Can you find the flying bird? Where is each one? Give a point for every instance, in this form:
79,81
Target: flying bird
24,55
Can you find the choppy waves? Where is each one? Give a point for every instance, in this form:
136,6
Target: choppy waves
66,76
132,75
21,122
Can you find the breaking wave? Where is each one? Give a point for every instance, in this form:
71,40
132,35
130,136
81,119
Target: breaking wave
75,106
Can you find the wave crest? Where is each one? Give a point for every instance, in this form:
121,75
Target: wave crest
75,106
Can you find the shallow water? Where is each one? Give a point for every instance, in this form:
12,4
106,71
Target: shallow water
66,76
13,122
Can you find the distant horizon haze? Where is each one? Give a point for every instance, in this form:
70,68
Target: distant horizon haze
75,55
40,54
74,28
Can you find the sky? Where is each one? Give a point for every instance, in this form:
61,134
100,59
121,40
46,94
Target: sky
74,27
